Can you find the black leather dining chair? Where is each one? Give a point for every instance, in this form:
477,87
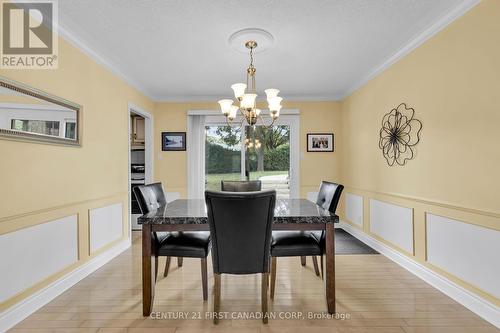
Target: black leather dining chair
305,243
240,229
194,244
240,185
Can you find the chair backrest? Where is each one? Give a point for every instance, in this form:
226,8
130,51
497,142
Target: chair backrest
329,195
240,228
240,186
150,197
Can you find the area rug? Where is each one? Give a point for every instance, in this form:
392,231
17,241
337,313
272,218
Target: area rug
345,243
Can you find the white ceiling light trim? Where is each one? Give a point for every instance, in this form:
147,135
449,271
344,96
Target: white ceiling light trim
264,39
415,42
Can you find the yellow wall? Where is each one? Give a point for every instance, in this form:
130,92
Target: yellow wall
453,83
41,182
317,117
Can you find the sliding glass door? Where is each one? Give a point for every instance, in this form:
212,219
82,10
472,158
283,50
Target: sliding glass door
222,155
267,157
252,153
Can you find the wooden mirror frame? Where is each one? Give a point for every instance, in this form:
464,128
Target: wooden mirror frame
8,134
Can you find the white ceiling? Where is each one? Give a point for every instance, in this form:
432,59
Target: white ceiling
324,49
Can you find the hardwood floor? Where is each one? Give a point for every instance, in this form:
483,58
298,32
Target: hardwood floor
373,295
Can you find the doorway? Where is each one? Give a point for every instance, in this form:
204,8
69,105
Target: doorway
140,161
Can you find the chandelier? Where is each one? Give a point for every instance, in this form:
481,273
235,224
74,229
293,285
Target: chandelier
247,100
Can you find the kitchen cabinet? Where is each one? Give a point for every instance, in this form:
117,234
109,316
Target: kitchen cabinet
138,131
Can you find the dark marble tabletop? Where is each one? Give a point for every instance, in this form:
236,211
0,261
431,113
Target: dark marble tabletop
194,211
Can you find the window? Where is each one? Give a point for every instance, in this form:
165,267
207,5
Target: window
45,127
265,153
70,132
217,152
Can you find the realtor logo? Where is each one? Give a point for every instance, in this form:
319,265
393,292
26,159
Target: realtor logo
29,39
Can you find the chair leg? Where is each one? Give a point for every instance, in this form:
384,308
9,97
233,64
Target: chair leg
156,268
204,280
315,263
216,297
321,262
273,275
265,279
303,260
167,266
179,261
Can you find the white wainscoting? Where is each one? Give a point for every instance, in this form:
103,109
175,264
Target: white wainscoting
478,305
468,251
32,303
33,254
354,208
393,223
106,225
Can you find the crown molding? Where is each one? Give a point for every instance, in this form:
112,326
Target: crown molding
414,43
214,98
92,54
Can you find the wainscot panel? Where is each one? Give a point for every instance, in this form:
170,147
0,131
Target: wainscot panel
354,208
392,223
35,253
468,251
105,225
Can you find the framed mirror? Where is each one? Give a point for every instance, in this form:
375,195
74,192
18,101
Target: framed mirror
29,114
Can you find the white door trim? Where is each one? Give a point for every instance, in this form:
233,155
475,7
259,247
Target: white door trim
148,150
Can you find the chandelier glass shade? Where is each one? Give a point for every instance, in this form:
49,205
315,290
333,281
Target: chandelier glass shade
248,99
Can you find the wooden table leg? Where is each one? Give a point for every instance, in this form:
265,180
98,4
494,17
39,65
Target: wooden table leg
148,269
330,267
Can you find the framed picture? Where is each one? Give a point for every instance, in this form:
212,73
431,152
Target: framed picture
173,141
319,142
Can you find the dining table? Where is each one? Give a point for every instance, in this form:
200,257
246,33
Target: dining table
191,215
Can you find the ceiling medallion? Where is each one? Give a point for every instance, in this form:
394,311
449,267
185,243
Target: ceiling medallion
247,100
238,40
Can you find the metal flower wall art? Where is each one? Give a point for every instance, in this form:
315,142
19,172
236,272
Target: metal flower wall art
399,135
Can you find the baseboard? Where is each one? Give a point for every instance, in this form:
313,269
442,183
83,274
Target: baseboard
26,307
486,310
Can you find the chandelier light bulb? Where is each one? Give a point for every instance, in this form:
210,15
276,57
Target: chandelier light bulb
258,111
271,93
239,90
276,112
248,101
232,111
225,106
274,103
